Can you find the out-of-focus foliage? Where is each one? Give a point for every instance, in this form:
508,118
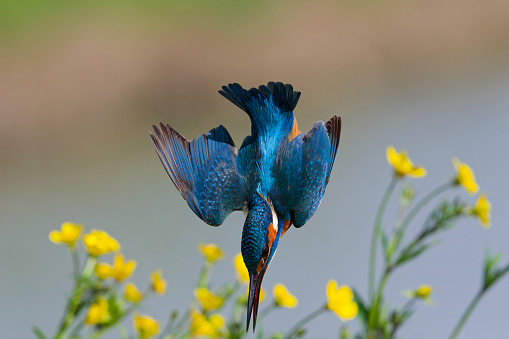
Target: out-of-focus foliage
21,14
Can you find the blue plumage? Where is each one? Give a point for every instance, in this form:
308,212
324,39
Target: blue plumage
204,170
277,177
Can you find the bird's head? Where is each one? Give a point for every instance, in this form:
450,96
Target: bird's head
260,238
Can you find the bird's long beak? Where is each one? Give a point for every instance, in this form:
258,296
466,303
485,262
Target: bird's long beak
255,283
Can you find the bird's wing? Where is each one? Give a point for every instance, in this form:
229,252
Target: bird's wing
304,167
204,170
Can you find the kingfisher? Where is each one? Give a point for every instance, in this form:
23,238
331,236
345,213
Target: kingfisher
277,177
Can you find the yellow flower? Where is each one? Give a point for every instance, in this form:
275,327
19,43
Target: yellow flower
402,164
132,294
98,312
208,300
465,177
283,298
482,210
120,270
68,234
241,268
103,271
422,292
158,283
201,326
145,326
340,301
99,242
211,252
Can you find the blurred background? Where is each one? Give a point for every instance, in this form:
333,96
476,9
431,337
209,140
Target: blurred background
82,82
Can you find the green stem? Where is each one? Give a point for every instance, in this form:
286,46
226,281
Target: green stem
267,310
406,308
467,313
235,325
186,335
408,305
376,232
304,321
74,332
427,198
203,281
89,267
70,313
169,326
75,262
231,291
122,331
373,318
401,213
74,304
185,317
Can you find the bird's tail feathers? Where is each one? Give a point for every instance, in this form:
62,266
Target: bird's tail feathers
282,95
266,105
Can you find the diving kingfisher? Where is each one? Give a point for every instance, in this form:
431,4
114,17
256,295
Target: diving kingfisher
277,177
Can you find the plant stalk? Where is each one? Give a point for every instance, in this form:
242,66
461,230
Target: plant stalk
466,315
304,321
376,232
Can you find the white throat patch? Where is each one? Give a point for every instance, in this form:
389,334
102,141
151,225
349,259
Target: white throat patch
274,217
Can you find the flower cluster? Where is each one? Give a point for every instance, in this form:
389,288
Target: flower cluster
104,305
464,177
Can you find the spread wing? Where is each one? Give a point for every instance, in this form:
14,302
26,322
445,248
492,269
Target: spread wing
204,170
304,167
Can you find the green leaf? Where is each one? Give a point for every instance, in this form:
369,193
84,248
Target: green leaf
443,217
37,331
491,270
414,251
115,308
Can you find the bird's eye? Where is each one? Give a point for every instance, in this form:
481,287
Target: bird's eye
265,251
